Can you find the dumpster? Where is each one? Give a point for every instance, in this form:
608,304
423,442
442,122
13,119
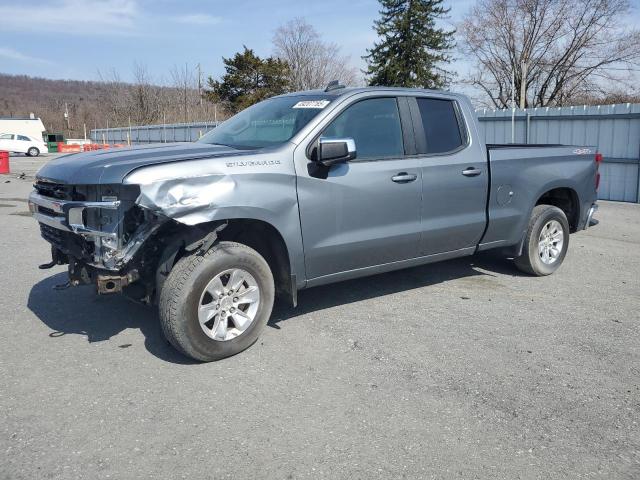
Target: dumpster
52,140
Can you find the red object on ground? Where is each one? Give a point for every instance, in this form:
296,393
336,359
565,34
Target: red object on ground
64,148
4,162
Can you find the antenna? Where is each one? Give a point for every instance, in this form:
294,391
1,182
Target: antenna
334,85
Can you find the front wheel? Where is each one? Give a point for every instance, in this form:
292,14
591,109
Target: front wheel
216,304
546,242
33,152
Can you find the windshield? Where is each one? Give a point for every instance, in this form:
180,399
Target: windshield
269,123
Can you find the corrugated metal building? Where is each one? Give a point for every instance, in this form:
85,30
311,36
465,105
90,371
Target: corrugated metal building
615,129
171,132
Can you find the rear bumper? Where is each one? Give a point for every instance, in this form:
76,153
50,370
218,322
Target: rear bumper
592,210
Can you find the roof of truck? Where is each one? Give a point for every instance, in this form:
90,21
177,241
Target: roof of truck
340,91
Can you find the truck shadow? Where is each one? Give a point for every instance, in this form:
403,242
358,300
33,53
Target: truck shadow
350,291
79,311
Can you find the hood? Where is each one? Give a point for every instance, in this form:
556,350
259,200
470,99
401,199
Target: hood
111,166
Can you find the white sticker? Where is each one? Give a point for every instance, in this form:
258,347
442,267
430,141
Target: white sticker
312,104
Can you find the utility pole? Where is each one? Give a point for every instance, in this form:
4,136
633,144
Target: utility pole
513,105
66,115
523,84
186,82
200,83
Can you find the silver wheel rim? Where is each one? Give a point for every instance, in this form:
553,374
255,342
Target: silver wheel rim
550,242
229,304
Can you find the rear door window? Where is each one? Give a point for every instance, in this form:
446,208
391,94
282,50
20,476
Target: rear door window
440,123
374,125
6,136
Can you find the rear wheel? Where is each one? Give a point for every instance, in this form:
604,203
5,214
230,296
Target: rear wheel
33,152
546,242
216,304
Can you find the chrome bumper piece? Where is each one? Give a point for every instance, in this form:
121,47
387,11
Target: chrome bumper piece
67,215
592,210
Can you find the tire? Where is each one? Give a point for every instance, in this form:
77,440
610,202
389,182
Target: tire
187,288
534,260
33,152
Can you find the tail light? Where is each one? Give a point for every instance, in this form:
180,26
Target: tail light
598,162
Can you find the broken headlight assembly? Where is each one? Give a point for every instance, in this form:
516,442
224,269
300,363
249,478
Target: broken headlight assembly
104,216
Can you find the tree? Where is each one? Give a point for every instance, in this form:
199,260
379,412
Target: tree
411,49
312,62
145,103
557,51
248,80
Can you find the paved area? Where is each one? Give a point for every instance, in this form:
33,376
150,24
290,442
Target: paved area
24,166
465,369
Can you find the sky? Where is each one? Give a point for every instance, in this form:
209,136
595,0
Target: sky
76,39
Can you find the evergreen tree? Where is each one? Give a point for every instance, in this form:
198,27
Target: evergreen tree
410,49
248,79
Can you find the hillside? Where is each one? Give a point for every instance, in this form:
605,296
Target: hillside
96,104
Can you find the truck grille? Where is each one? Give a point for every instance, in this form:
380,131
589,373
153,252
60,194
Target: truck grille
52,235
67,242
53,190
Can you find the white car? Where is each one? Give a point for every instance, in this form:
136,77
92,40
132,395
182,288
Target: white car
17,143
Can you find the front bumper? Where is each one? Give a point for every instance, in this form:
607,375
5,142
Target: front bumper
69,215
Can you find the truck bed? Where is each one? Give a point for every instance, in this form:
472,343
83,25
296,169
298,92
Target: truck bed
519,174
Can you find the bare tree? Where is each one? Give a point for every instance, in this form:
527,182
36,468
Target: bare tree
145,104
554,51
312,62
185,94
113,97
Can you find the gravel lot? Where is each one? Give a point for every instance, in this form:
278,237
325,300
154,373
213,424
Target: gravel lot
464,369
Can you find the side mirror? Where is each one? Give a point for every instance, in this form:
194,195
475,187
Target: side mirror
335,150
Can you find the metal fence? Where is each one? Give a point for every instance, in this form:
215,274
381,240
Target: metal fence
615,129
172,132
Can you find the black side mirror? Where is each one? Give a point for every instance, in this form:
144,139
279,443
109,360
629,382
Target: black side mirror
335,150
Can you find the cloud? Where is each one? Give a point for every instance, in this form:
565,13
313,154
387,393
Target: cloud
199,19
73,17
11,54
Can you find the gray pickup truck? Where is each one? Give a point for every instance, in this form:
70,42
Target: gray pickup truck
301,190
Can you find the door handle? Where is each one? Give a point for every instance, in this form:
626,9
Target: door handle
404,177
471,172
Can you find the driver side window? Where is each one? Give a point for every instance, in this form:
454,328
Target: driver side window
374,124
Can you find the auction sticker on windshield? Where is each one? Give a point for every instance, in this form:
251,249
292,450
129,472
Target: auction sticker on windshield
312,104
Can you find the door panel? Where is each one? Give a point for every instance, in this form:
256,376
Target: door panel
359,217
453,215
365,212
454,178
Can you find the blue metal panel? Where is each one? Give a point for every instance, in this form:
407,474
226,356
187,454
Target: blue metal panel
614,128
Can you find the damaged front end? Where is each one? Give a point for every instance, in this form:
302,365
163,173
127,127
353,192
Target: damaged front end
99,231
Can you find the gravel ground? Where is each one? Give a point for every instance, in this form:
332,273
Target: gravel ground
464,369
